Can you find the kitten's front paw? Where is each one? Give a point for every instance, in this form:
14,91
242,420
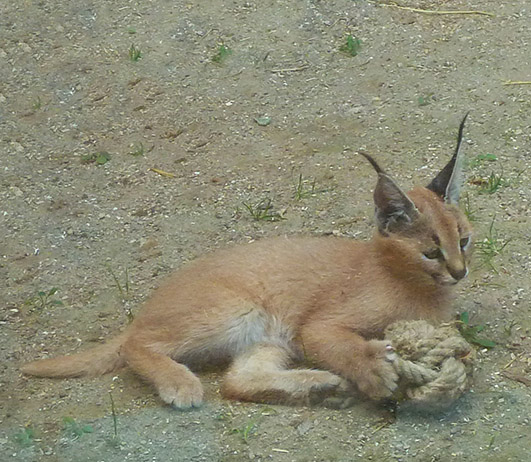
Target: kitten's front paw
183,395
326,386
376,376
324,380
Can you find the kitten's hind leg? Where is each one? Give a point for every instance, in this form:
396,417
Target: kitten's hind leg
260,375
175,383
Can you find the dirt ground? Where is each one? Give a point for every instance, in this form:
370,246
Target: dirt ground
118,168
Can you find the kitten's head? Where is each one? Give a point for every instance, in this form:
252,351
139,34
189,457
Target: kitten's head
425,227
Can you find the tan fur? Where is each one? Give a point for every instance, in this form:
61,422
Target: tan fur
263,305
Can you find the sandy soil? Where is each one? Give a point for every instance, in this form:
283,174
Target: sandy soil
83,209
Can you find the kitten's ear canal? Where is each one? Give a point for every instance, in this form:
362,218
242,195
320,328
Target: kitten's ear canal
447,184
395,211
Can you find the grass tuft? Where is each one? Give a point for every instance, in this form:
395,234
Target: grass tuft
44,299
467,208
137,150
37,103
134,53
25,437
222,54
482,158
263,211
493,183
99,158
124,291
470,333
75,429
424,100
247,430
114,417
352,46
306,188
490,247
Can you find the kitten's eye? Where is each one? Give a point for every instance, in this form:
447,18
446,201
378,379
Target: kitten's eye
433,254
464,242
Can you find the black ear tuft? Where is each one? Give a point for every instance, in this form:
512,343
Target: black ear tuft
373,162
447,184
395,211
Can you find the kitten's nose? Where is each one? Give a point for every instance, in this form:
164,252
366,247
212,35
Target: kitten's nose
458,273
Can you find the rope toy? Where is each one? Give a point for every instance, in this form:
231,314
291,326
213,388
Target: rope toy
434,363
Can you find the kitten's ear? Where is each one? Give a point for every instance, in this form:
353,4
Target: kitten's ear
395,211
447,184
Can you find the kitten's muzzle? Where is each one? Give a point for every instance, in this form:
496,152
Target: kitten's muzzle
458,273
452,277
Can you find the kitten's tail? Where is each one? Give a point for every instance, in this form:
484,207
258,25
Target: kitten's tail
94,362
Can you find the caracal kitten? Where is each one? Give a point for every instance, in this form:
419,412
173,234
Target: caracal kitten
263,306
